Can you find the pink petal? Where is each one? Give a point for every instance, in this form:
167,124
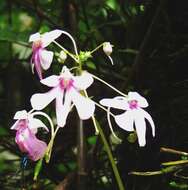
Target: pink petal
84,81
85,107
117,102
62,110
28,143
46,58
51,81
41,100
36,61
140,125
49,37
142,102
20,124
125,121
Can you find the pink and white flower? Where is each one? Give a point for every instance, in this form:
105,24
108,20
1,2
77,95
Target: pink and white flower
134,115
26,127
42,57
66,91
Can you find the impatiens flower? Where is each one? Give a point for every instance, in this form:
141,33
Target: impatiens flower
134,115
66,91
107,48
26,127
42,57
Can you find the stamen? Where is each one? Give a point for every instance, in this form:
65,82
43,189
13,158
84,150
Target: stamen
133,104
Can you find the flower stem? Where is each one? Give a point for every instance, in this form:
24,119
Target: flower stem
96,48
110,156
66,51
50,146
104,82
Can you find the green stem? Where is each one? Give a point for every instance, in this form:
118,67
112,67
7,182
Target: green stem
66,51
96,48
110,156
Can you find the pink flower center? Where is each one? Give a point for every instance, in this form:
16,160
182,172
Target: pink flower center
133,104
37,45
66,83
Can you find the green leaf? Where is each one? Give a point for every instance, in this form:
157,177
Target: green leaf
92,140
72,165
61,168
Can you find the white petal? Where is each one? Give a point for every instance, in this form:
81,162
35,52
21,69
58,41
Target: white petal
34,37
142,102
140,125
51,81
46,58
115,103
34,124
65,73
14,126
125,121
150,120
85,107
41,100
21,115
49,37
84,81
62,110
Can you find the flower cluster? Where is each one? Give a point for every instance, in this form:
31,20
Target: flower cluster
69,90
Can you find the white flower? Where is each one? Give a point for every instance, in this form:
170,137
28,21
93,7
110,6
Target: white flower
107,48
42,57
134,115
65,90
32,123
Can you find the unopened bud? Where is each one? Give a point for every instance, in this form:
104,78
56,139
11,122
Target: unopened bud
107,48
62,57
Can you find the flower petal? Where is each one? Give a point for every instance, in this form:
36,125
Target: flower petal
85,107
36,149
21,115
34,37
40,100
150,120
115,103
46,58
84,81
49,37
125,121
142,102
62,110
51,81
34,124
140,125
15,126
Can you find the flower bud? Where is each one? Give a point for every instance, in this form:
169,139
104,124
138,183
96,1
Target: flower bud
62,57
107,48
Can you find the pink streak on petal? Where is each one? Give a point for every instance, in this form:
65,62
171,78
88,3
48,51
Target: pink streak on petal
65,83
